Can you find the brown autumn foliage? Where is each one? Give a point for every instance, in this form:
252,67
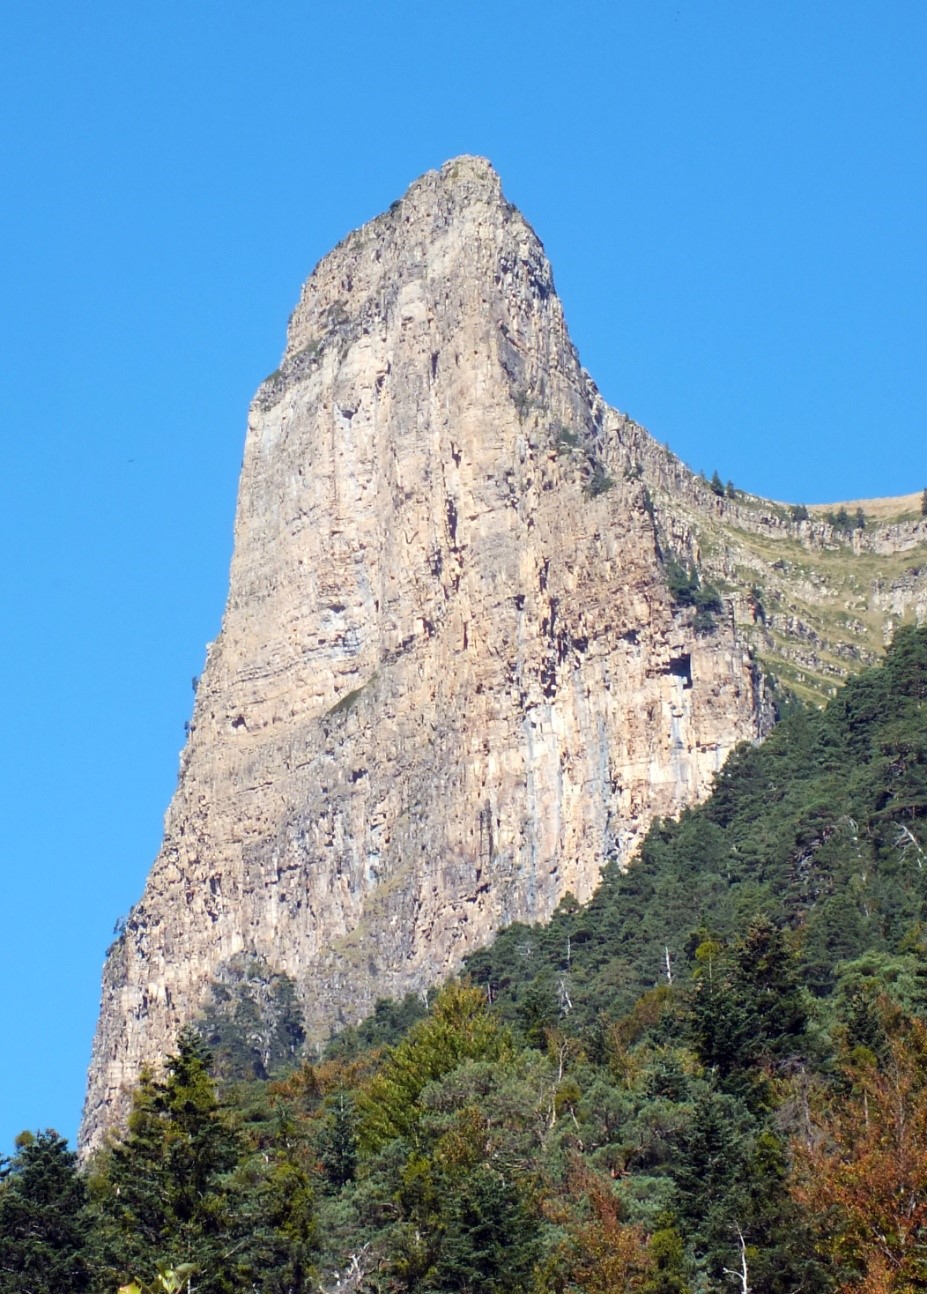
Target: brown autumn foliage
603,1254
862,1171
311,1083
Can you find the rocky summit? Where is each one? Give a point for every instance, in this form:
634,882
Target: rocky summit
480,631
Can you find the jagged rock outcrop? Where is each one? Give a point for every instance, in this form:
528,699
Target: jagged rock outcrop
450,679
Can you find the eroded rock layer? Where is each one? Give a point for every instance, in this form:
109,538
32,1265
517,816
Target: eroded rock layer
450,680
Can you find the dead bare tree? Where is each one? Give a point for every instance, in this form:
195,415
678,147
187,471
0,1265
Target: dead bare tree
906,840
743,1275
351,1280
563,997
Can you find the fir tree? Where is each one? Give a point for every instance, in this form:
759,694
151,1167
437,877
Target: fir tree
489,1237
338,1141
44,1223
162,1192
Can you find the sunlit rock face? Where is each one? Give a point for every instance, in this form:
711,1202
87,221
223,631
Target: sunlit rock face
450,680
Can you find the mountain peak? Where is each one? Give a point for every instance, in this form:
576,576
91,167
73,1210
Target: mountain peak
451,679
481,629
469,168
444,215
461,179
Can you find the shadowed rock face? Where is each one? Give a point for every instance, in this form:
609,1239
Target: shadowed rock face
450,680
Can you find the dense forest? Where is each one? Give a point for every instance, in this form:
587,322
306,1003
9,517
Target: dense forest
712,1077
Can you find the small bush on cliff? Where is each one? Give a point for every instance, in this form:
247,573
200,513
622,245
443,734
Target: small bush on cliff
599,481
687,590
565,440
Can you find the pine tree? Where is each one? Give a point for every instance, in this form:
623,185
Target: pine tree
458,1029
44,1223
767,983
276,1210
747,1006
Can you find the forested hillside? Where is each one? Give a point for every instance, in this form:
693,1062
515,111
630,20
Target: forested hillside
712,1077
817,828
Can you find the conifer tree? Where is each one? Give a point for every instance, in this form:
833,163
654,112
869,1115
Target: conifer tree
43,1219
338,1141
275,1211
459,1028
489,1237
162,1192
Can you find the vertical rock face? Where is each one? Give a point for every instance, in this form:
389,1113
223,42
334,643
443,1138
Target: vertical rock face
450,680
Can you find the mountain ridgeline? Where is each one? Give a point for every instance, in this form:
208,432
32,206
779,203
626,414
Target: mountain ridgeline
481,631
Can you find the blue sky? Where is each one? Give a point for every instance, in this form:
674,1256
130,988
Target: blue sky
732,195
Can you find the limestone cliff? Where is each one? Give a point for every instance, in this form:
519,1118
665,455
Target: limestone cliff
450,679
813,600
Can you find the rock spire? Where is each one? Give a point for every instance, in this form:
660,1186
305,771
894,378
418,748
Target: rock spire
450,679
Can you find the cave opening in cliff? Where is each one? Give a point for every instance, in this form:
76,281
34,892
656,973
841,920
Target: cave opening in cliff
681,667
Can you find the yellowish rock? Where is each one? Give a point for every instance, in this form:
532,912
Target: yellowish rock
450,680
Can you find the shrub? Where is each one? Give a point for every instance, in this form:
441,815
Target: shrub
687,590
599,481
523,403
564,439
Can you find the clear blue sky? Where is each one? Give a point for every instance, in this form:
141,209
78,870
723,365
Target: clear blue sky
733,198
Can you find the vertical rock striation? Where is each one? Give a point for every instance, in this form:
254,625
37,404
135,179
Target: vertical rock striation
450,680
